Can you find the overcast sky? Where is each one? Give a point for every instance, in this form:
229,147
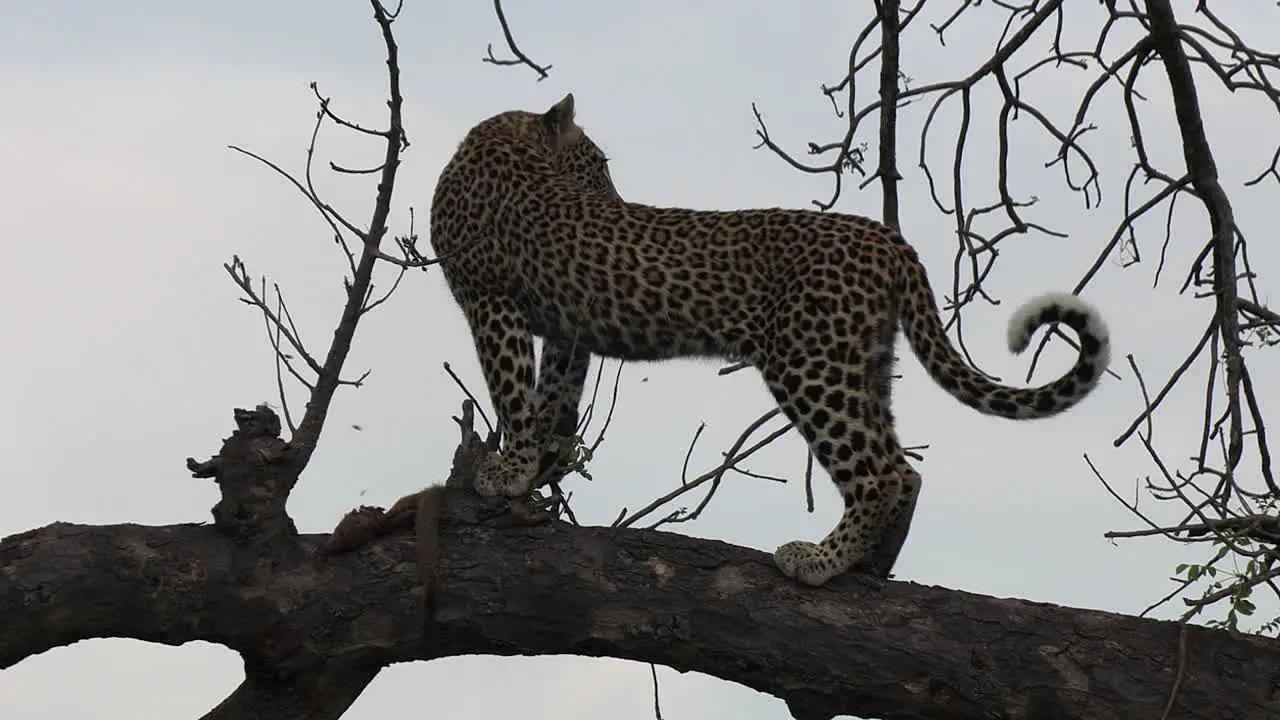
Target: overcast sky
125,348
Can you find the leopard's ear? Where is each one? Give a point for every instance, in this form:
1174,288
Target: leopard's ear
559,122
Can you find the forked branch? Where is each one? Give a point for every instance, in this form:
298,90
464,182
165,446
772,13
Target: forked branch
362,256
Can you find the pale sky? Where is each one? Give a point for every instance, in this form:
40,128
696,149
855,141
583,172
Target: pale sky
126,349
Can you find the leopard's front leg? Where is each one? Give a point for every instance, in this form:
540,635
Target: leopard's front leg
504,344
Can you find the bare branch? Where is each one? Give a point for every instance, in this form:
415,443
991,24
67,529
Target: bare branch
520,57
329,378
733,456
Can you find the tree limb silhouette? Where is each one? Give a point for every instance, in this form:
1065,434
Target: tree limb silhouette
314,628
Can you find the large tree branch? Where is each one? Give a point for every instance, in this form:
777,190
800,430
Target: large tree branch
891,650
1203,169
324,693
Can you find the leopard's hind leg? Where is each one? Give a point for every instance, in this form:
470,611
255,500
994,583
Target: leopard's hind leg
846,430
898,522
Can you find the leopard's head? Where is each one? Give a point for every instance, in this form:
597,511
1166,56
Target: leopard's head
575,154
543,143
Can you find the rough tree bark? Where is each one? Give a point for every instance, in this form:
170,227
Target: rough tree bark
314,630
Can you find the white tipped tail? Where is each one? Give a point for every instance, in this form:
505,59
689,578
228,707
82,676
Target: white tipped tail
1056,306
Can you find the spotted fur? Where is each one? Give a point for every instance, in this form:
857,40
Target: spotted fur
535,240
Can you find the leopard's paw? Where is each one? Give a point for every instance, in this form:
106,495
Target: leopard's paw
495,477
806,562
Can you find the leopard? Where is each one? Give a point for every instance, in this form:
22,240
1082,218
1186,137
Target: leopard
534,240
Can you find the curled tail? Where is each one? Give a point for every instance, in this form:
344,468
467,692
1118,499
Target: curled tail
928,339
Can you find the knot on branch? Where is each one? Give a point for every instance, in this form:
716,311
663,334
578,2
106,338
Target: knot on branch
471,449
255,472
502,512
